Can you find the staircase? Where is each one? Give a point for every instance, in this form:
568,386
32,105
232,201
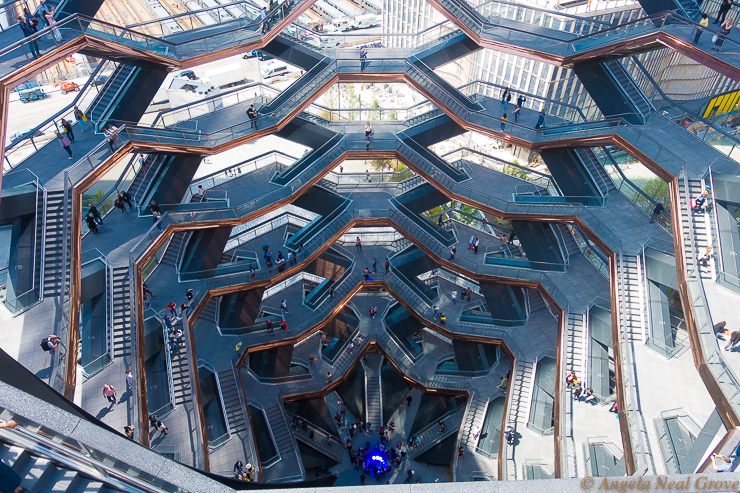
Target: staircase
54,243
629,86
472,421
373,394
522,393
39,474
180,374
570,243
170,255
232,401
209,312
121,313
332,447
138,187
575,351
630,299
592,164
535,301
698,222
100,107
280,432
430,435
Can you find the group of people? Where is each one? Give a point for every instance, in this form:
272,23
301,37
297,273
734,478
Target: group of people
580,393
520,100
280,261
156,424
244,473
281,10
29,24
440,315
732,338
473,244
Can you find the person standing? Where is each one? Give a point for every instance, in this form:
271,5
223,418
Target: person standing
520,100
358,244
726,28
91,224
109,392
453,250
475,246
368,132
68,129
129,380
516,113
724,8
363,58
119,204
504,118
49,16
252,114
505,98
387,266
65,144
657,211
81,118
95,214
540,120
704,23
41,12
162,428
375,266
29,29
454,296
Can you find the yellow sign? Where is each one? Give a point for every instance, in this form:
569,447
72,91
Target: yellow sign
727,103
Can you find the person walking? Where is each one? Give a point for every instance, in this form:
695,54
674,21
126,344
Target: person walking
540,120
284,307
363,59
657,210
375,266
387,266
162,428
126,197
358,244
65,144
95,213
516,113
252,114
372,313
129,380
109,392
725,31
734,341
453,250
704,23
311,360
454,296
29,29
475,246
504,118
119,204
109,140
368,132
81,118
91,224
68,129
724,8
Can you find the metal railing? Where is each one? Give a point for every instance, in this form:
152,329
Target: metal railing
218,441
105,359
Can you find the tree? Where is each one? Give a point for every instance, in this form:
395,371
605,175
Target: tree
657,189
381,165
353,100
331,97
516,172
376,115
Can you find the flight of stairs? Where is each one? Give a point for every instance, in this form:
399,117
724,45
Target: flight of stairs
41,475
521,393
430,435
630,299
232,402
54,243
574,353
472,421
535,301
280,431
332,448
209,312
121,313
373,396
698,222
570,243
170,255
146,173
180,374
603,180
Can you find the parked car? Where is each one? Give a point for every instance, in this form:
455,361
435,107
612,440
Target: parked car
259,55
67,86
18,135
189,74
101,79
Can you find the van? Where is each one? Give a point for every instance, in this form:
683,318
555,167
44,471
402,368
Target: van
364,21
273,69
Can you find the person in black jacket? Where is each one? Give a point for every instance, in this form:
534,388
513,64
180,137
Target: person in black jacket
29,29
